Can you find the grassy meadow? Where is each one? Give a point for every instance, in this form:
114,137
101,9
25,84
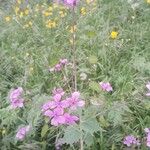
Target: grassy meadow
103,41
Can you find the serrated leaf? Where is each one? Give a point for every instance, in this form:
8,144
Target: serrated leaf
94,86
88,140
93,59
45,128
71,135
90,125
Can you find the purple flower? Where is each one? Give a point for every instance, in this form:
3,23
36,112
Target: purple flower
48,105
130,140
22,132
147,130
57,116
148,87
58,67
106,86
63,61
74,101
16,99
70,119
71,3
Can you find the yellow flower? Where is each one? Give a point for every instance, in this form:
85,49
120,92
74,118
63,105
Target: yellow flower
26,12
19,2
114,34
50,8
46,13
21,14
50,24
73,29
148,1
17,10
30,23
26,26
62,14
83,11
7,18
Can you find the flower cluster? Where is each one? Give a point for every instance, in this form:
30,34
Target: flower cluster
21,133
106,86
58,67
58,109
148,87
16,97
147,131
71,3
131,140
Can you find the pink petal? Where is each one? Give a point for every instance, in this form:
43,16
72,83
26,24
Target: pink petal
54,122
76,95
148,85
81,103
148,94
48,113
57,97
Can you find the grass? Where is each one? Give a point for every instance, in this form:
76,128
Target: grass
27,53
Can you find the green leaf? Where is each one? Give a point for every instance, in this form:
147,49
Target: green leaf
45,128
90,125
93,59
71,135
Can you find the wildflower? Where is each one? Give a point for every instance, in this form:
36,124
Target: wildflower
30,23
19,2
46,13
63,61
58,67
7,18
74,101
147,130
21,14
148,1
73,29
22,132
114,34
15,98
50,24
83,11
106,86
148,87
50,8
71,3
70,119
17,10
131,140
62,14
26,12
57,117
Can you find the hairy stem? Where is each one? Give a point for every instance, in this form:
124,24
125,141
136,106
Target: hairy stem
74,50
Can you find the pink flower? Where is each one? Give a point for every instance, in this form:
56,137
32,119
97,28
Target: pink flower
58,67
63,61
148,87
22,132
130,140
70,119
106,86
57,117
147,130
48,105
16,99
74,101
71,3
